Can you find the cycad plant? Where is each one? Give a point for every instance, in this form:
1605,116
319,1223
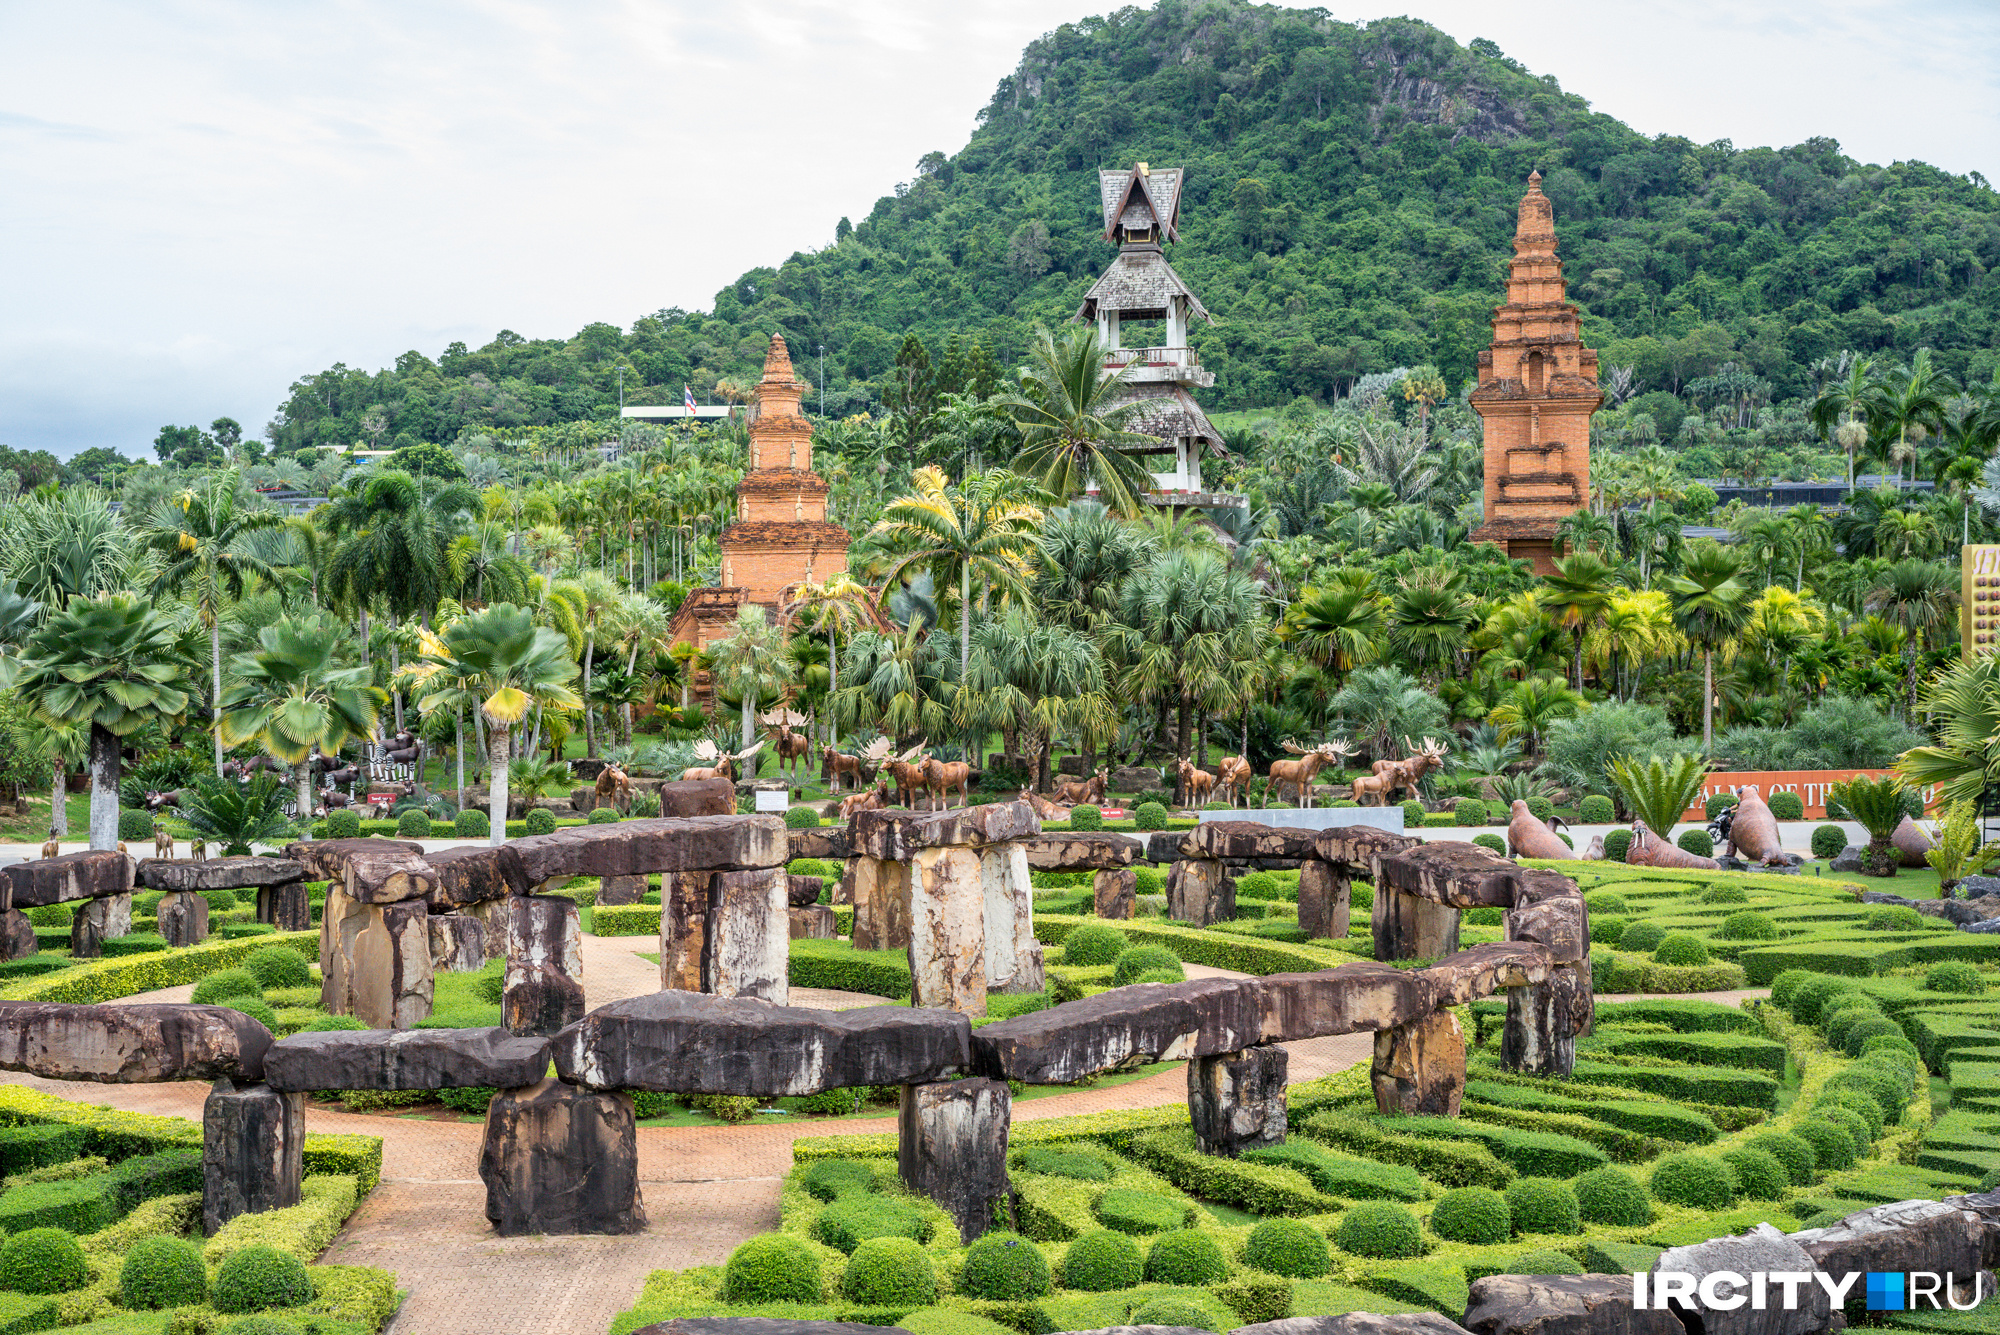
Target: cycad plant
1877,806
235,815
1956,851
1659,790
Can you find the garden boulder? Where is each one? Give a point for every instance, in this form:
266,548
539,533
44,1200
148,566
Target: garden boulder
126,1044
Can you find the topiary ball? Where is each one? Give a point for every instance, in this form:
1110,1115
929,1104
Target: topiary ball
1611,1196
1849,1121
1697,842
1606,901
1725,894
1185,1257
1794,1154
1642,937
226,983
1955,976
1787,982
1492,841
1747,926
1787,806
42,1260
1004,1267
772,1268
257,1278
1759,1175
1828,842
1859,1034
1379,1229
1149,816
1893,918
1902,1049
219,901
1143,960
609,816
1151,881
541,821
1857,1102
1287,1247
472,823
1094,943
854,1219
1101,1261
343,824
1133,1211
1542,1205
1682,950
414,824
1086,817
135,824
1617,843
1719,803
797,818
1607,931
1171,1311
1697,1180
275,966
1468,811
1414,815
1813,995
1472,1214
1596,809
162,1271
890,1272
256,1008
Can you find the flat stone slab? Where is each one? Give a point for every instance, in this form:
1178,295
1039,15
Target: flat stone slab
1123,1027
895,836
1562,1305
371,871
1360,1323
325,859
1480,971
1352,999
1389,819
120,1044
829,843
1084,851
693,1043
218,873
1461,875
665,844
474,873
89,875
405,1059
1356,847
1245,839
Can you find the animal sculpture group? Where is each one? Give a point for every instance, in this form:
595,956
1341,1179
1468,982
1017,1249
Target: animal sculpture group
1390,779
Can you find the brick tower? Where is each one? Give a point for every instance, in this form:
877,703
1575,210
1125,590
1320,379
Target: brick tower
781,535
1537,390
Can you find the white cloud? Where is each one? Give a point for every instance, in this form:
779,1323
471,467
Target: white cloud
207,198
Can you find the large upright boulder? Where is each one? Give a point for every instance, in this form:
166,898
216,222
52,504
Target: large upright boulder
1115,894
1013,955
1325,898
881,889
183,918
252,1151
375,960
1236,1100
123,1043
1763,1249
286,906
684,929
560,1160
1200,892
1562,1305
748,947
947,931
458,943
951,1145
542,987
17,935
1420,1068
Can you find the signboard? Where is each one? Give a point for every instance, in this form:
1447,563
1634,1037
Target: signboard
1979,600
1809,784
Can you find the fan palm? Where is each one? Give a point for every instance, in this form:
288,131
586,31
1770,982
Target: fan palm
1711,603
1189,621
1876,805
1339,627
291,696
1074,429
1963,702
236,815
1529,707
1659,790
1576,596
1920,597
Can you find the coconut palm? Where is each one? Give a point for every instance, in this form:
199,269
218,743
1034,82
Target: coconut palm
1920,597
1074,429
1902,533
1658,790
1710,605
1844,408
1911,404
116,665
750,663
292,696
1963,703
837,604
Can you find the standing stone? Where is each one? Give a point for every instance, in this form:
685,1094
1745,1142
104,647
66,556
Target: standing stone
947,931
843,889
1420,1068
86,932
1116,892
375,960
285,906
1763,1249
749,936
491,915
1323,899
116,913
1563,1305
560,1160
881,903
951,1145
183,918
1013,956
1544,1019
458,943
814,923
1200,893
17,935
252,1140
1236,1101
1410,927
616,890
542,990
683,929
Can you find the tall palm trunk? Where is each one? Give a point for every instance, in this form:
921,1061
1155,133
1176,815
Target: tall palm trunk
458,753
59,799
631,666
395,666
306,789
833,689
1708,700
215,683
496,801
749,719
589,715
104,765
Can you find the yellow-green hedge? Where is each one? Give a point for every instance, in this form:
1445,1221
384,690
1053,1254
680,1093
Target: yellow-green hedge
1217,950
304,1230
625,920
110,979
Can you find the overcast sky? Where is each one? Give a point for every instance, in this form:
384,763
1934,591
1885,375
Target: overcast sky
202,200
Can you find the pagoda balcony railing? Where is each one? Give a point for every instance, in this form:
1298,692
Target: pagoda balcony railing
1176,357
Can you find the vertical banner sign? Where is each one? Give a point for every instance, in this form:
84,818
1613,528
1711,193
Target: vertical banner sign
1979,600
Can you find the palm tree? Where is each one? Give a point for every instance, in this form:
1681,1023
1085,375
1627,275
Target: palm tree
1811,537
1912,401
117,665
1766,540
1430,625
1710,606
66,545
1037,680
1074,430
1188,619
1087,555
1903,533
501,661
199,537
1587,531
1340,627
1529,707
1843,408
1658,791
600,606
1877,806
750,663
836,604
291,696
1963,703
1576,596
234,815
1921,597
897,683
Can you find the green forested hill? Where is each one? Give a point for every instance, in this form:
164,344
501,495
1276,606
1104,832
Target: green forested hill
1349,201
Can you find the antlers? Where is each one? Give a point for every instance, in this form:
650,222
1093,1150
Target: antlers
1292,746
910,755
878,750
707,750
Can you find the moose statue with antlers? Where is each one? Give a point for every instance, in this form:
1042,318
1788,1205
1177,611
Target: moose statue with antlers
793,748
721,763
1299,774
1392,777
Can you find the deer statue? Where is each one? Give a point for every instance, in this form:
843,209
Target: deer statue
1232,779
613,786
724,766
793,748
943,776
1044,808
163,843
1196,783
51,848
1300,773
1078,792
874,799
1404,775
907,770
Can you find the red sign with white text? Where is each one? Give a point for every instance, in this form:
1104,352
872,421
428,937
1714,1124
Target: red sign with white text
1809,784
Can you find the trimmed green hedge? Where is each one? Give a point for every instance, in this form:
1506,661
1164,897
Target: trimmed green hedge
87,1204
1736,1090
1259,1187
1736,1050
1452,1163
625,920
109,979
839,966
1216,950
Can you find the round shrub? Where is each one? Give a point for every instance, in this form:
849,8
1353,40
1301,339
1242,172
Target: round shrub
1681,949
772,1268
1492,841
1642,937
1857,1034
541,821
1004,1267
1787,806
1611,1196
275,966
1893,918
1149,816
1607,931
414,824
1699,1180
1544,1261
1833,1148
135,824
1787,982
1380,1229
1186,1257
1617,843
1257,885
1748,926
219,901
344,823
1543,1205
1413,815
1897,1047
1094,943
1856,1102
609,816
1725,894
42,1260
1606,901
1151,881
1697,842
1101,1261
1810,997
226,983
51,915
472,823
830,1179
162,1271
1849,1121
1719,803
1540,808
1287,1247
796,818
1144,960
887,1272
1131,1211
1955,976
852,1220
1828,842
1890,1087
1086,817
1472,1214
1164,975
252,1325
256,1008
257,1278
1759,1175
1468,811
1596,809
1170,1311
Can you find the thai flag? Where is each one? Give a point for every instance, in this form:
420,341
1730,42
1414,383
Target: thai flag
687,398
